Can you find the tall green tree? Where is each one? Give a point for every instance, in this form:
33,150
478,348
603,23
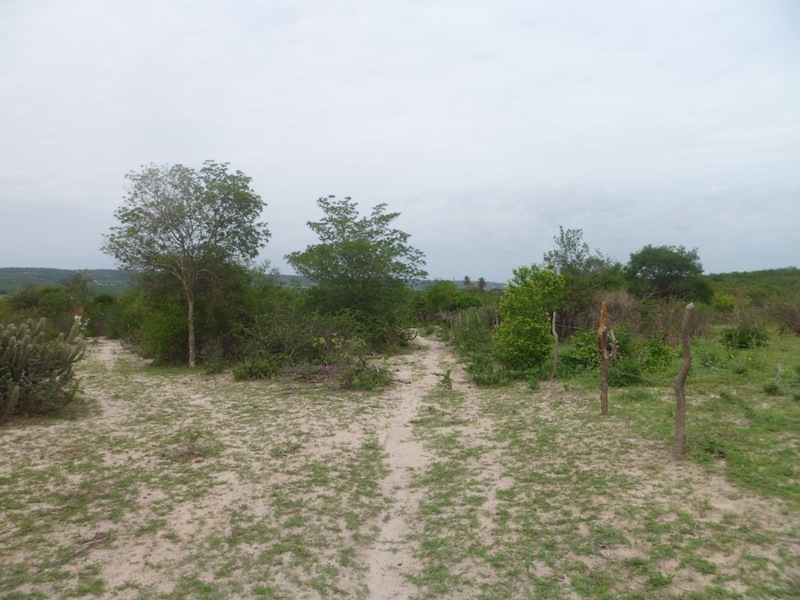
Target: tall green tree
180,221
584,272
361,265
668,272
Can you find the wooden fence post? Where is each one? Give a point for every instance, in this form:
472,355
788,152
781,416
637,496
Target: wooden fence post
555,349
680,387
602,349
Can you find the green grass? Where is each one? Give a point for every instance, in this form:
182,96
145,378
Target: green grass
578,504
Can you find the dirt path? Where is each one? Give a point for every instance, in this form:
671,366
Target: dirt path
390,560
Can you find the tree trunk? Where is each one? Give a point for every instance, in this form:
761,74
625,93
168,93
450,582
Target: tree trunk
680,387
190,327
602,349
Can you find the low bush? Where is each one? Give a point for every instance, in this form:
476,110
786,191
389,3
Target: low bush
365,376
624,373
36,369
257,368
745,336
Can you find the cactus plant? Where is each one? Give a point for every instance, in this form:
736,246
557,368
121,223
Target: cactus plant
36,372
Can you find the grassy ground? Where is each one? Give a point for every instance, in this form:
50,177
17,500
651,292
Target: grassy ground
173,484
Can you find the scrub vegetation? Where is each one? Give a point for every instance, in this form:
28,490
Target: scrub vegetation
375,435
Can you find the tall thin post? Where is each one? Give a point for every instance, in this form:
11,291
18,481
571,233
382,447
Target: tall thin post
602,349
680,387
555,349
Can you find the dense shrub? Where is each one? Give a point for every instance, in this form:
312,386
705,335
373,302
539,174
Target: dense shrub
163,334
581,352
36,370
625,372
444,297
523,335
304,337
257,368
745,336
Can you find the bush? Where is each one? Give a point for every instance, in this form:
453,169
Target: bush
36,370
523,335
257,368
658,355
745,336
365,376
624,373
470,332
581,353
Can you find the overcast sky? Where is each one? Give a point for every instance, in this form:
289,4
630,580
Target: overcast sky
486,124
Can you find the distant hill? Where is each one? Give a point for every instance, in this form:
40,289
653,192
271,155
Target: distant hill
761,288
115,281
112,281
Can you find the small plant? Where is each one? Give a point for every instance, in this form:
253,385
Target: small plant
188,442
658,580
709,445
709,360
365,376
446,382
772,388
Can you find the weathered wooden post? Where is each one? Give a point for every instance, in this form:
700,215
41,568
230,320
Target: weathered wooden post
602,350
680,387
555,349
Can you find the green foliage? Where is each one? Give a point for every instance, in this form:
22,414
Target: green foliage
581,353
357,249
631,356
96,315
759,288
111,281
671,272
51,302
658,354
745,336
445,296
523,336
585,274
365,376
361,266
303,337
162,334
183,222
485,372
724,303
257,368
124,318
625,372
36,370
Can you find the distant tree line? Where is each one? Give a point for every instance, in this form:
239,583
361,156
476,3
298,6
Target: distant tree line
190,236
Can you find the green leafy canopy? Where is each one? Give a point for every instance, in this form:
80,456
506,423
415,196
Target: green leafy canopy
355,249
174,218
